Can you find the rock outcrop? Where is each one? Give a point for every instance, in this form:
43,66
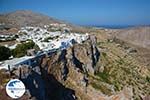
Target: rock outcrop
48,80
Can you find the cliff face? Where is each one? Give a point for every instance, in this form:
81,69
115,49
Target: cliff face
82,57
69,67
57,77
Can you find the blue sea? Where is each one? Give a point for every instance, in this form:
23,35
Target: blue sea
114,26
117,26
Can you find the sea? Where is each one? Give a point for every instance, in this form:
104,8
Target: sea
113,26
116,26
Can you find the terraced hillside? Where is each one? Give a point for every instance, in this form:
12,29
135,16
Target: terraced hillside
119,68
138,38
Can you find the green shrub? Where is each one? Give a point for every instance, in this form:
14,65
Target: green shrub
21,49
104,76
4,77
104,54
148,79
102,88
47,39
5,53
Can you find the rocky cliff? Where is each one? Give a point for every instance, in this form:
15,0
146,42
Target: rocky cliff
54,75
69,66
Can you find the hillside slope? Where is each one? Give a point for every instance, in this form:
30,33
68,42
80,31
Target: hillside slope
139,36
25,17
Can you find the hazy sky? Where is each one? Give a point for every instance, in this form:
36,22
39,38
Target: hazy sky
87,12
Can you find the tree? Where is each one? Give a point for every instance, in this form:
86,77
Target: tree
5,53
21,49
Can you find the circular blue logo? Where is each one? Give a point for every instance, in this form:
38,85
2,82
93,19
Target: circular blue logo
15,88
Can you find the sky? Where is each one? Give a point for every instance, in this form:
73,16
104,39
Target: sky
86,12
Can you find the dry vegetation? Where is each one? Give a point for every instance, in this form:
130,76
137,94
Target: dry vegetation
118,69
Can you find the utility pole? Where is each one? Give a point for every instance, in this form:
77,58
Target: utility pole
9,71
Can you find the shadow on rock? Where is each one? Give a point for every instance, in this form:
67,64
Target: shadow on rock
54,89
